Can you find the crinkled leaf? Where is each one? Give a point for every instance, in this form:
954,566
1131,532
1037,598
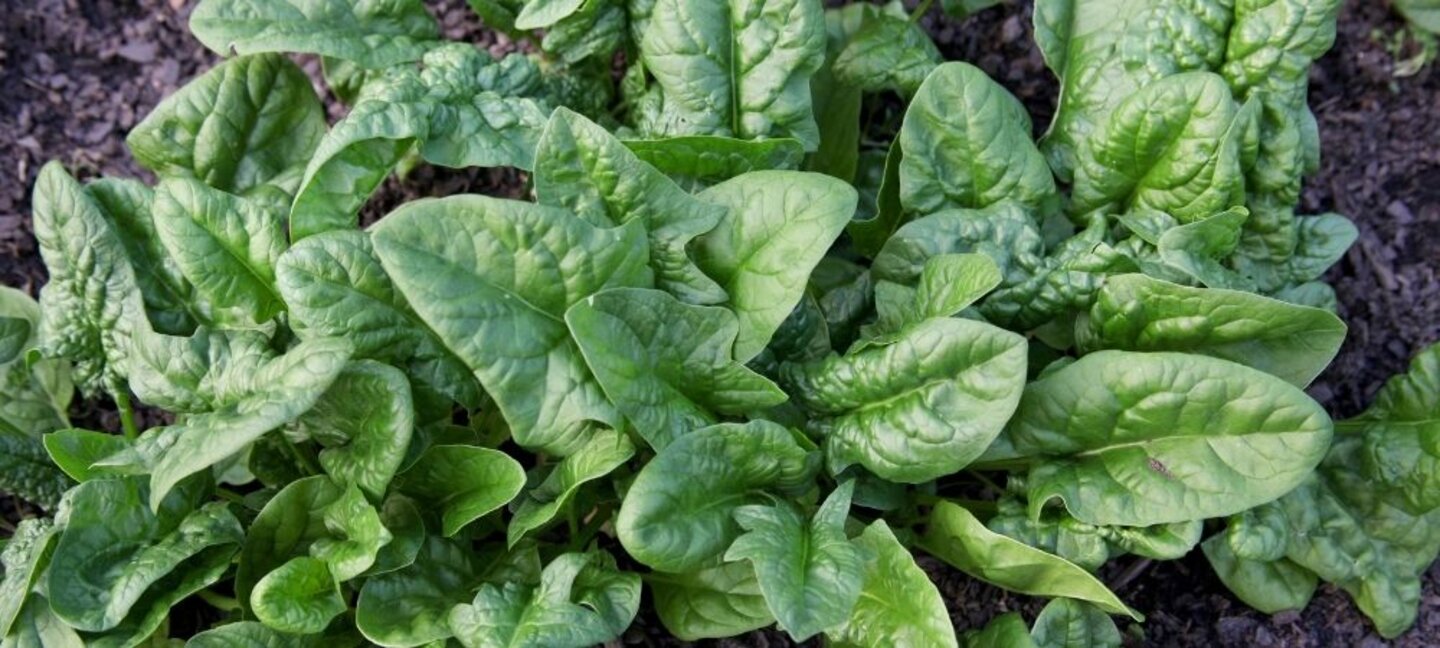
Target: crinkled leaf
1270,586
334,286
1005,631
665,364
948,284
710,603
582,167
235,127
966,143
1071,623
299,597
25,557
463,109
26,469
465,482
38,627
919,407
409,607
898,606
889,52
955,536
779,225
734,69
1150,438
480,271
92,302
606,451
114,548
1137,313
169,299
373,34
702,160
677,515
363,422
581,601
225,245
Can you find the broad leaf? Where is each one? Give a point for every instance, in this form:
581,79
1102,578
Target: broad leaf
374,35
898,606
481,271
778,227
299,597
247,634
26,470
409,607
605,452
465,482
363,422
581,601
1071,623
1270,586
890,52
702,160
677,515
169,299
710,603
665,364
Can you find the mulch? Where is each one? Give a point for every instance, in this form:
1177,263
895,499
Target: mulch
78,74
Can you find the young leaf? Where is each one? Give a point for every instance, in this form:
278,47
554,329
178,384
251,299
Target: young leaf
916,408
727,68
605,452
665,364
948,284
363,422
1270,586
92,302
409,607
375,35
1137,313
966,143
710,603
493,278
114,549
955,536
1138,439
898,606
300,597
677,516
1071,623
778,227
466,482
581,601
463,109
1005,631
810,574
225,245
582,167
234,128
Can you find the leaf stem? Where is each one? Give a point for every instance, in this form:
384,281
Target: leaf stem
920,11
127,414
219,601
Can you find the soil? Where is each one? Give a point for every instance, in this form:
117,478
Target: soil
78,74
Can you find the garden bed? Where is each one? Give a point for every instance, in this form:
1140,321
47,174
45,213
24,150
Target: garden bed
78,74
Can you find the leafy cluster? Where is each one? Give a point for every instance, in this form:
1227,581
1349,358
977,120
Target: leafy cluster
763,333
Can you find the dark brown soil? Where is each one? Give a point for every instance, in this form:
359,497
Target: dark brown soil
78,74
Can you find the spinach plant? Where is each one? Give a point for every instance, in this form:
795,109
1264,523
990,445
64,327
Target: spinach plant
755,338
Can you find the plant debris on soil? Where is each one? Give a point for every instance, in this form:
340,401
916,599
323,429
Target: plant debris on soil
78,74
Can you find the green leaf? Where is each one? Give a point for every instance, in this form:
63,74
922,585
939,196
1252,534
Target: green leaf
278,393
605,452
889,52
778,227
581,601
480,270
1070,623
582,167
169,299
1270,586
114,548
401,517
463,109
465,482
966,143
26,470
916,408
246,634
26,555
37,391
409,607
1424,14
92,302
38,627
225,245
1005,233
299,597
1137,313
235,127
363,422
948,284
334,286
710,603
677,515
1005,631
1138,439
539,14
702,160
725,68
355,536
955,536
375,35
810,574
898,606
1174,147
874,223
290,522
665,364
594,32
